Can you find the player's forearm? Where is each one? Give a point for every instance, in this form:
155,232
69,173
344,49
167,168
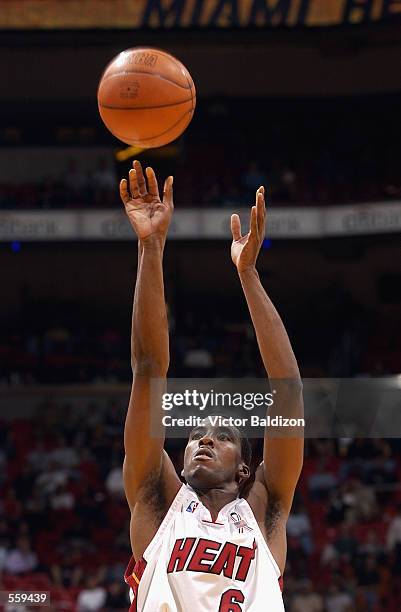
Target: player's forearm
149,339
274,344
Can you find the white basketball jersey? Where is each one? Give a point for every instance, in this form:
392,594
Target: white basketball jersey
196,565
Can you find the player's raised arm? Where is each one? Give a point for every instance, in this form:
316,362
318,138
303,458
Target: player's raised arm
150,218
282,456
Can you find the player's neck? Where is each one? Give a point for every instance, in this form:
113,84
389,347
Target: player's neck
215,499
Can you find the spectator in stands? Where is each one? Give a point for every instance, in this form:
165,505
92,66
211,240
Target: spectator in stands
393,539
38,457
21,559
336,508
63,454
321,481
62,499
114,481
67,573
359,500
344,548
299,527
394,531
346,544
338,600
307,600
92,597
381,470
197,358
75,180
51,479
371,545
103,182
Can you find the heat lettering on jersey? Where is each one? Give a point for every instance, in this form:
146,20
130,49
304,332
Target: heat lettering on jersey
211,557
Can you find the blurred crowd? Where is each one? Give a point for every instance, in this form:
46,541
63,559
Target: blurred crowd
63,518
308,152
75,188
66,342
64,521
288,185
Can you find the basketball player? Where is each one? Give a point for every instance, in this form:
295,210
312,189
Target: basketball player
200,546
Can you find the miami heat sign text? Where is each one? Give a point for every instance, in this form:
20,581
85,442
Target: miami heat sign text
132,14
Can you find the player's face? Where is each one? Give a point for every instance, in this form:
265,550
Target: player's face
212,457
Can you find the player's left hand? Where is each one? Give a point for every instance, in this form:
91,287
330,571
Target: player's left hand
245,249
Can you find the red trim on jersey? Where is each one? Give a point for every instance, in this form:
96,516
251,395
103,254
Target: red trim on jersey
134,572
132,577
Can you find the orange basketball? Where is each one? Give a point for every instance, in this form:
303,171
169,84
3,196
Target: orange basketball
146,97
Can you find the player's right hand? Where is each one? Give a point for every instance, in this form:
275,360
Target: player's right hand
148,215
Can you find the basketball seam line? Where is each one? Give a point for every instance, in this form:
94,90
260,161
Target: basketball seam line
190,89
162,133
155,74
146,107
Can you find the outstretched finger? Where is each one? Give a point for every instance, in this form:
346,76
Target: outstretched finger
152,182
236,227
168,192
254,222
141,179
260,208
133,183
124,195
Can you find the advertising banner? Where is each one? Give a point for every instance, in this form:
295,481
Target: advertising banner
204,224
135,14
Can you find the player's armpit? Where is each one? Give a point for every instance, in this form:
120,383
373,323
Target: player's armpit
269,500
152,501
157,489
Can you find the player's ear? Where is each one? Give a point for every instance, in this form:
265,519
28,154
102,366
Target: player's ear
243,472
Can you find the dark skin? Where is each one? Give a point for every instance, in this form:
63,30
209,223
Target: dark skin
213,465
